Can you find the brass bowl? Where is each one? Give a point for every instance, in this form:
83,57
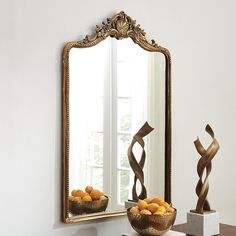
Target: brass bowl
151,225
83,207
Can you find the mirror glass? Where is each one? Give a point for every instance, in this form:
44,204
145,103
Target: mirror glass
115,87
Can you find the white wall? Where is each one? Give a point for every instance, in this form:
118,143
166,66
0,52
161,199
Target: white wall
201,36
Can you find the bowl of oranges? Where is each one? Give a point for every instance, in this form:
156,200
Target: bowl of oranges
88,201
152,216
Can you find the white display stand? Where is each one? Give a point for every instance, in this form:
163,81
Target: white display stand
206,224
169,233
129,204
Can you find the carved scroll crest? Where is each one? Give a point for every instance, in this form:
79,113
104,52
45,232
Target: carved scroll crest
119,26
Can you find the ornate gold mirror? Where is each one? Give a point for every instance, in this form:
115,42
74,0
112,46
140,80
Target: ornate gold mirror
111,87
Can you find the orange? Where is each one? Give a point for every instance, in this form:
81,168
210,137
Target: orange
162,208
159,213
158,200
165,204
152,207
73,193
79,193
102,198
148,200
134,210
142,205
88,189
87,198
170,209
76,199
96,194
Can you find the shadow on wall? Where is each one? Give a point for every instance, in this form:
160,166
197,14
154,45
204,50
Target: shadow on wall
85,232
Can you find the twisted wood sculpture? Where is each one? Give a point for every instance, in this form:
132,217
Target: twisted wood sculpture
204,163
137,167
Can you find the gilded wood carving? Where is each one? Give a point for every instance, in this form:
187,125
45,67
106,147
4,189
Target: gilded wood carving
119,26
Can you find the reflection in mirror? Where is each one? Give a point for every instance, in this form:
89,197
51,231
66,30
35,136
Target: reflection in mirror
115,87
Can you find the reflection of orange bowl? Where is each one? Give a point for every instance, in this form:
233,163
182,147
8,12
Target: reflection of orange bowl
83,207
151,225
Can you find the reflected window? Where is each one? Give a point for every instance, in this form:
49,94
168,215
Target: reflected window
109,102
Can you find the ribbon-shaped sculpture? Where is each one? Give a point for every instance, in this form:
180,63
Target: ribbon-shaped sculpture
137,167
205,164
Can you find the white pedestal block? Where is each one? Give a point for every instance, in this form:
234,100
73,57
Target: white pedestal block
129,204
203,224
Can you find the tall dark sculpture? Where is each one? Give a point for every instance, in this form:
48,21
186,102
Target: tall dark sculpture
137,167
205,164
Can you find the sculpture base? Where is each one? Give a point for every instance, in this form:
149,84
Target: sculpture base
130,203
169,233
206,224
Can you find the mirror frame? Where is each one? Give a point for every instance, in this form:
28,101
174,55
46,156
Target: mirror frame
119,26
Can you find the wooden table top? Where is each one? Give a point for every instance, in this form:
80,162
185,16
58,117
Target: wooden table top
225,230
